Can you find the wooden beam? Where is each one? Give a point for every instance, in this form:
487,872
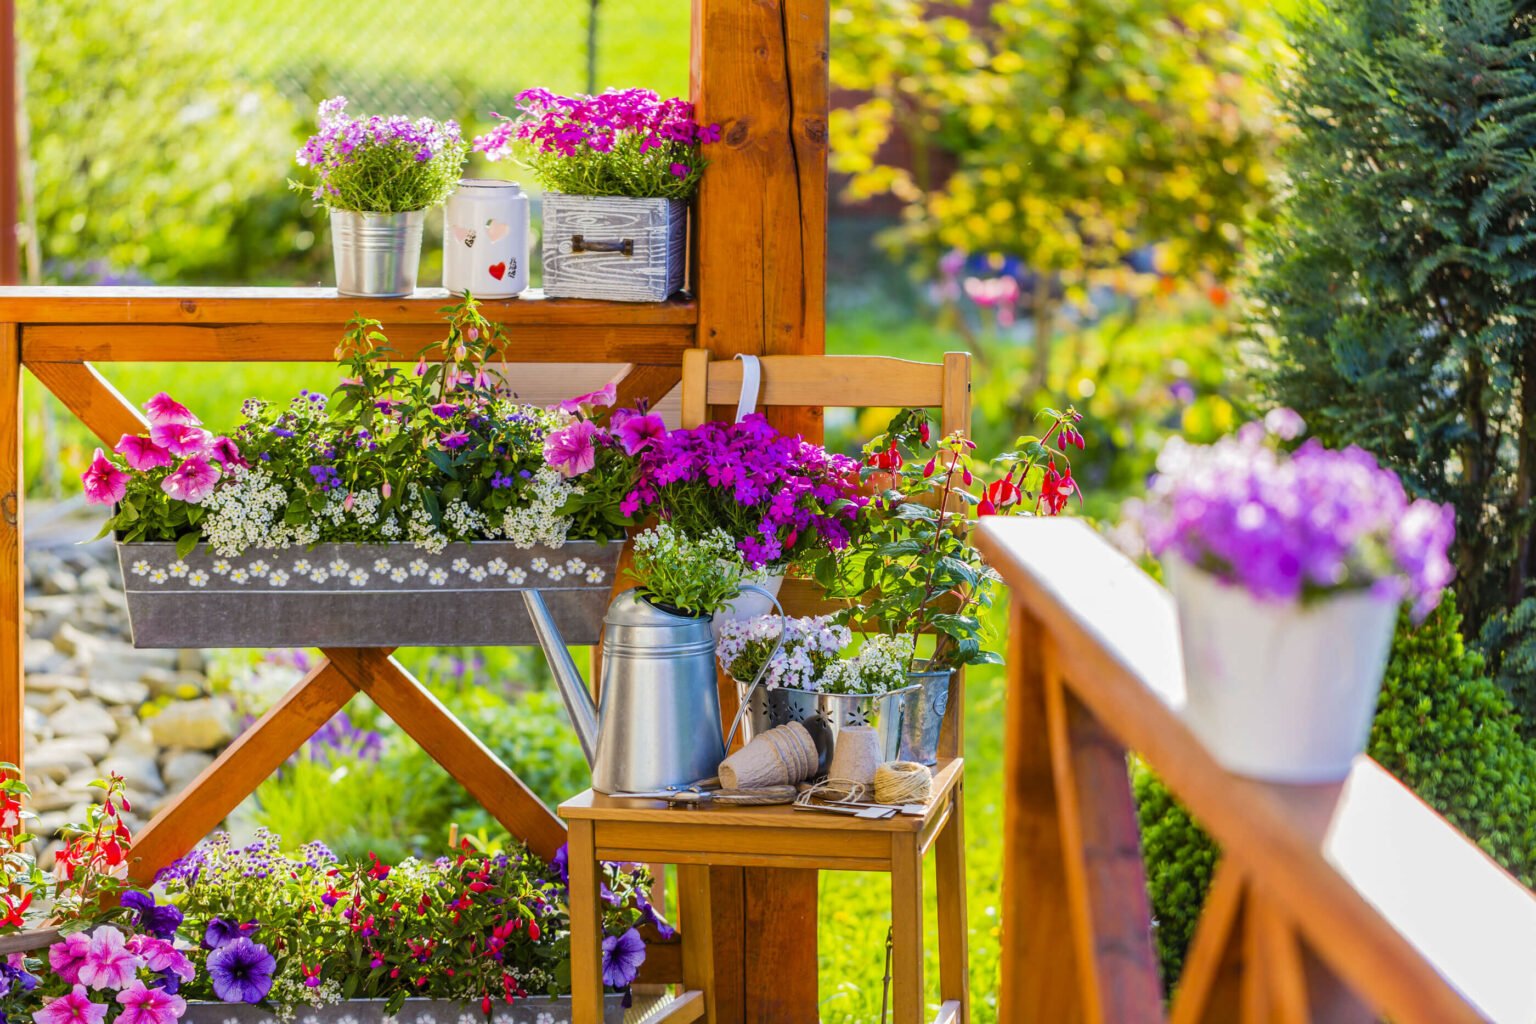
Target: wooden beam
1111,917
459,751
759,70
238,770
1210,989
10,163
13,577
92,398
180,305
648,383
258,342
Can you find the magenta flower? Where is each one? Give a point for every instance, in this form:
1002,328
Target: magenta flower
572,450
163,409
72,1008
143,1005
638,433
108,962
602,398
680,170
66,956
193,481
444,410
454,440
141,453
227,453
105,483
182,440
161,956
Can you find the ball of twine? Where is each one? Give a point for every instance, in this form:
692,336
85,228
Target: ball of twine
781,756
903,782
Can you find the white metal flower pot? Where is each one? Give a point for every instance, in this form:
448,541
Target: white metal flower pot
1282,692
750,604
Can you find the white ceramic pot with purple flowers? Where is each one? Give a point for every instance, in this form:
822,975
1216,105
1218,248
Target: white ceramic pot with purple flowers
1288,568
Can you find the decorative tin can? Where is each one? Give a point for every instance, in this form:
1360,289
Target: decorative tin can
376,254
613,247
485,239
825,714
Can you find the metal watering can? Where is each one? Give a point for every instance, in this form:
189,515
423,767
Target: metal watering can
659,724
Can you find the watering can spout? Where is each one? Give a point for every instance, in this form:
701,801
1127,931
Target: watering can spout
573,689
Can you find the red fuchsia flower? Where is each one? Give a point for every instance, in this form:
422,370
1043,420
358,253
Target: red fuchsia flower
74,1007
378,870
638,433
105,483
998,495
1056,488
923,432
193,481
889,460
311,975
181,440
572,450
10,812
933,464
164,409
108,961
602,398
228,453
15,909
142,1005
141,453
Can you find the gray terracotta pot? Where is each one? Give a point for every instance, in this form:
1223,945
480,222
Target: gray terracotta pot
363,595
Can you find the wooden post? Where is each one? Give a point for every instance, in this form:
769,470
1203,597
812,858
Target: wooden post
10,166
13,630
760,225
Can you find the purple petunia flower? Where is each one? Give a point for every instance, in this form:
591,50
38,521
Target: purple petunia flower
622,957
221,933
241,971
160,921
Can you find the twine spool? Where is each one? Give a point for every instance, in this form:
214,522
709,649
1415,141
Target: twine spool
903,782
782,756
854,761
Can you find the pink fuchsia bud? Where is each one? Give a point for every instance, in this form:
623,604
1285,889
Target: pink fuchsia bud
421,367
923,431
460,353
386,490
473,334
986,508
965,477
1061,441
928,469
347,501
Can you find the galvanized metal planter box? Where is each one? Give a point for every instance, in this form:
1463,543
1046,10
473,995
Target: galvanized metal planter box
613,247
363,595
537,1010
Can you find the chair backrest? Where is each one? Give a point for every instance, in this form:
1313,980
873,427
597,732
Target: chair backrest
836,381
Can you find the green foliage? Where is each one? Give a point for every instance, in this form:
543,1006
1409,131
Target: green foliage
1078,132
151,155
1398,288
1445,729
694,575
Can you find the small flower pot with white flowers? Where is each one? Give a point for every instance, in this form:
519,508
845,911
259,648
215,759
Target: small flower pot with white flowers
618,171
1288,569
411,507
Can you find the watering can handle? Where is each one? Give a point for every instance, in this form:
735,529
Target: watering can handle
746,699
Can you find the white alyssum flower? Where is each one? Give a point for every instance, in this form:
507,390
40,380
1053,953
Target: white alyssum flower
879,667
540,522
245,512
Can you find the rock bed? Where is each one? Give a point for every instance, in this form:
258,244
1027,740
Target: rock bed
95,704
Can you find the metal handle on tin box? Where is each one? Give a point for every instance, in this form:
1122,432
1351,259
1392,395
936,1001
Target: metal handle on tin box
625,246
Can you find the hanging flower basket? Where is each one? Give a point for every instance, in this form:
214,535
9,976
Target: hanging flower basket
362,595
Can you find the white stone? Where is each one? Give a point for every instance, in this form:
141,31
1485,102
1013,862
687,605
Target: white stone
202,724
83,718
182,766
51,682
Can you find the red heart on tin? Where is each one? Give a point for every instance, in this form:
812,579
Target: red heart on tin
498,270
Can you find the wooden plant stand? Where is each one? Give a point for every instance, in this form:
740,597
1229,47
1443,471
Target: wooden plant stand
774,838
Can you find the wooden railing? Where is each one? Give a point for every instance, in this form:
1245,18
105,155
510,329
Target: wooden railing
1346,902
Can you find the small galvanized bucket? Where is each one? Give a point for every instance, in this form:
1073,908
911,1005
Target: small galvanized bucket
534,1010
923,716
825,714
377,254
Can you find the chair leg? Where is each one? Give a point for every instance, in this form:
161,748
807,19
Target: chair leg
954,954
906,930
586,926
695,918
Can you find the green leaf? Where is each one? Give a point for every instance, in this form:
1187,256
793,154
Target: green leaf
898,548
187,542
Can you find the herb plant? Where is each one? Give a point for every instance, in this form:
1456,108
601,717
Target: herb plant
382,164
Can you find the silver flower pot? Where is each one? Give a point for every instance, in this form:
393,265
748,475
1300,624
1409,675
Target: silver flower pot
826,714
377,254
923,716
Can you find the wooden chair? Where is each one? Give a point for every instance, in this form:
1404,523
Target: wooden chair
605,829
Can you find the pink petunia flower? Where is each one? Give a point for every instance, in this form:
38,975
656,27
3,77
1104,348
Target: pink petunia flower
108,962
228,453
182,440
163,409
602,398
161,955
638,433
66,956
143,1005
572,450
141,453
105,483
193,481
72,1008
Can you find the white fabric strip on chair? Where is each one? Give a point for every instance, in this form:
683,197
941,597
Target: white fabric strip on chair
751,384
